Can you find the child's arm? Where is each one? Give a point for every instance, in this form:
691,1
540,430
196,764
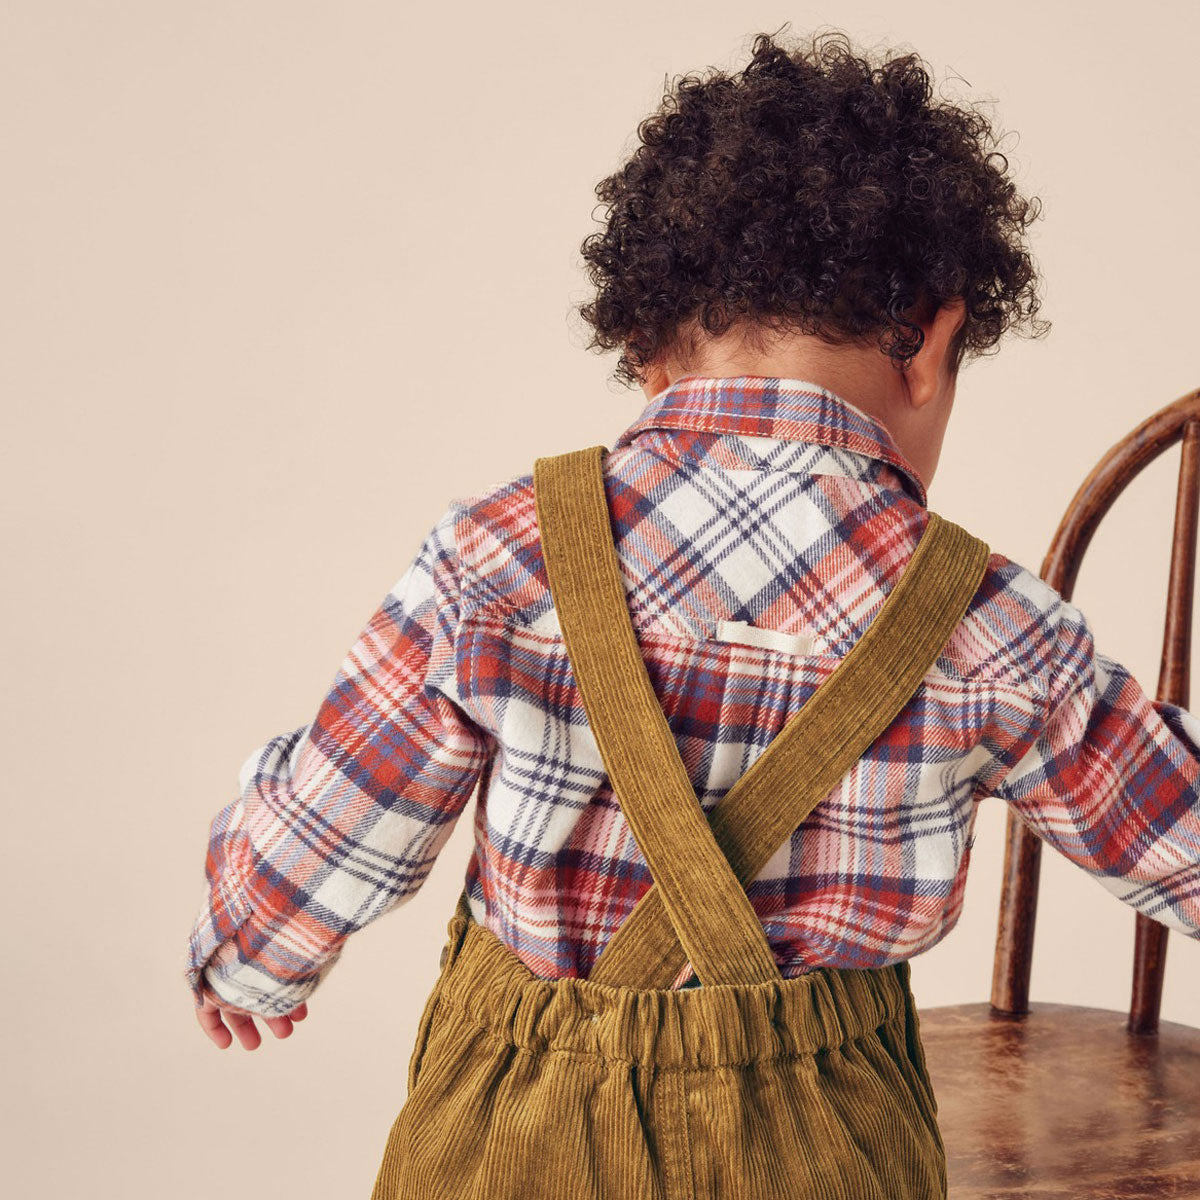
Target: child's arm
1111,779
340,820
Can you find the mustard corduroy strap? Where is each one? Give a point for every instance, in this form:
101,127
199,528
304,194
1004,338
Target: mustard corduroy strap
697,909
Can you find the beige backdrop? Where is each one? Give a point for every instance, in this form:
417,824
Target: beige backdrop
279,280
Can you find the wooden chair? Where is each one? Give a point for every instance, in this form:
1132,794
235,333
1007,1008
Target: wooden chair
1057,1100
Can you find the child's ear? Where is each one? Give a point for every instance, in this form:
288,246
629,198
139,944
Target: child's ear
932,367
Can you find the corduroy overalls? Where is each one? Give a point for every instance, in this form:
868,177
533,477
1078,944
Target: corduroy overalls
620,1086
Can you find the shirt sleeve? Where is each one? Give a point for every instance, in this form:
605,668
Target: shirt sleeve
340,820
1111,779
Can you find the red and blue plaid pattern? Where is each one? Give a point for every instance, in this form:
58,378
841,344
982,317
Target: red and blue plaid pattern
764,500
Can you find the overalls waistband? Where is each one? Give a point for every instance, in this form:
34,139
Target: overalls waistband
714,1026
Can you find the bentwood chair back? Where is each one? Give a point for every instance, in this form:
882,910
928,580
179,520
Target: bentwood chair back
1047,1100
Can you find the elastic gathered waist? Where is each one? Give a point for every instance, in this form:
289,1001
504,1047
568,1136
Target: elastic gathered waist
711,1026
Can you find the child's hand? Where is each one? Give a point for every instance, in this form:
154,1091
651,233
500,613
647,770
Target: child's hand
242,1022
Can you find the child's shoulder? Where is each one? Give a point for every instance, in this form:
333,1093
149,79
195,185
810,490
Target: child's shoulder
1021,631
501,513
498,552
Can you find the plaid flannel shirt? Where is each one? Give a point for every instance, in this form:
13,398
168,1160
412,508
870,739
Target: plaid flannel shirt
751,499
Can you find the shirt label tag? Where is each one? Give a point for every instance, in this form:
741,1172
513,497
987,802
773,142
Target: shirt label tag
771,639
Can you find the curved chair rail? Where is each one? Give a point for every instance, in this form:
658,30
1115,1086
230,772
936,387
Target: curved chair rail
1176,422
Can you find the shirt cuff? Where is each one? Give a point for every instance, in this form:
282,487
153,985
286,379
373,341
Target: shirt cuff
227,907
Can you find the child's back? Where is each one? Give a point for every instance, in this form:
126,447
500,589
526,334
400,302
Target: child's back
767,502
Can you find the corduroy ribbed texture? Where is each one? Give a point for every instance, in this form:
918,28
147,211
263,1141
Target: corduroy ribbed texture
810,1088
751,1085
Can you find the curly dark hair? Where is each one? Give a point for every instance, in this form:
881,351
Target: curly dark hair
813,190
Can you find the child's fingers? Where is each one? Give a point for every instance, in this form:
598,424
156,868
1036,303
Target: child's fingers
209,1016
281,1027
213,1014
244,1028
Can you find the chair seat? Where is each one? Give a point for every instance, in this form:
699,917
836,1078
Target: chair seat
1064,1102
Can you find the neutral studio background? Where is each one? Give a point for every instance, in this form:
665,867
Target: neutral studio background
279,281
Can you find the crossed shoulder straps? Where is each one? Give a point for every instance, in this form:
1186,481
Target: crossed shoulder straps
697,909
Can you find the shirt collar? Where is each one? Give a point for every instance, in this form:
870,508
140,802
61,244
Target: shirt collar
767,406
